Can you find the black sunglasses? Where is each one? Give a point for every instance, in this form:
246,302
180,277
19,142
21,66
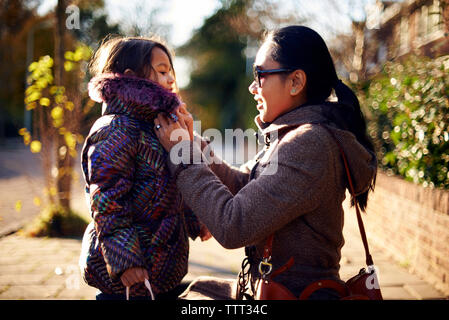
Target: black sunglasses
257,73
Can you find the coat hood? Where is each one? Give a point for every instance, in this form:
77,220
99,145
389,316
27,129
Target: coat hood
137,97
362,162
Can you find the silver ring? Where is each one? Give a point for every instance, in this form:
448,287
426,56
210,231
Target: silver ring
158,126
174,117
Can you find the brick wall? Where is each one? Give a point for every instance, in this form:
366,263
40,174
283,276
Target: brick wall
412,224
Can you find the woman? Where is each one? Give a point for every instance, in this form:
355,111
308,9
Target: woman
296,188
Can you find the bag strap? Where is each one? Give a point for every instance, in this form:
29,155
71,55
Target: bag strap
369,259
265,266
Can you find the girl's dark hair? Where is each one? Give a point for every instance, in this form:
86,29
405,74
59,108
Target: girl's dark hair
116,54
299,47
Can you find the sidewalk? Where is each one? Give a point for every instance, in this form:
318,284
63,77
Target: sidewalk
40,268
395,281
22,183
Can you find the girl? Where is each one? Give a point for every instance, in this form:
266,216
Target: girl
140,227
294,189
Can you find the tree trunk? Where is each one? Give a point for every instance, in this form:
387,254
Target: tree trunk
445,9
358,71
59,42
64,161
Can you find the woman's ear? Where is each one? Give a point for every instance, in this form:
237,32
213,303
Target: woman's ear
129,72
298,83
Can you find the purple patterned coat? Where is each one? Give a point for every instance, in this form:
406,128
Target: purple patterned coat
138,216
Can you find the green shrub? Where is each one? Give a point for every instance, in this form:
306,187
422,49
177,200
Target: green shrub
408,118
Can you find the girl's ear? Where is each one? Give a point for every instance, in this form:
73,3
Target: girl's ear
129,72
298,82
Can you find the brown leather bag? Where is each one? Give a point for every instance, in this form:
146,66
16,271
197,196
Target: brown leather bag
363,286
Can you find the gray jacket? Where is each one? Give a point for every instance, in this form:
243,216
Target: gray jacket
301,203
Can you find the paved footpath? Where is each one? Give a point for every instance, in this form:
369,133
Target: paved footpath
22,185
47,268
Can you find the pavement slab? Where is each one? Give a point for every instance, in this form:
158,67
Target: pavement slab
30,292
422,291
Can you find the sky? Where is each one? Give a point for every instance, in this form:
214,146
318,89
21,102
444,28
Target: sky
184,16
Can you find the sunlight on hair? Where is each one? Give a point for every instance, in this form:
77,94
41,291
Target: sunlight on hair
100,64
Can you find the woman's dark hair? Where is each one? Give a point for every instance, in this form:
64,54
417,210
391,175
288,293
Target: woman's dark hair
299,47
116,54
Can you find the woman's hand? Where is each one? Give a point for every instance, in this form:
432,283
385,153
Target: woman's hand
133,276
170,132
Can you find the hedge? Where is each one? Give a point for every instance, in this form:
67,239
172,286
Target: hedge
407,109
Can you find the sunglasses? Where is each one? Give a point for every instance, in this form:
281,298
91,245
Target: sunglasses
257,73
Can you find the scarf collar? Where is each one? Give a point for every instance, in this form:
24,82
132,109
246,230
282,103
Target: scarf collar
298,116
326,112
136,97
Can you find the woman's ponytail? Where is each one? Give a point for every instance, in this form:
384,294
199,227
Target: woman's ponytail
357,125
